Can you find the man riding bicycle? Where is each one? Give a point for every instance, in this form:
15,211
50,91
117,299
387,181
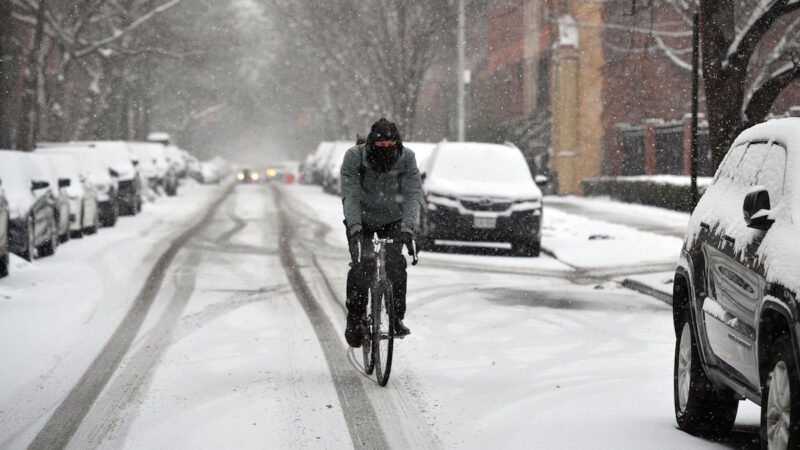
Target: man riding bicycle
381,193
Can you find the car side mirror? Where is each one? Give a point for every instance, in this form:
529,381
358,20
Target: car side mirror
135,163
113,173
422,176
36,185
64,182
541,180
757,209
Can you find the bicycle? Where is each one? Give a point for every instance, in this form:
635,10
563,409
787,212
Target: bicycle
378,341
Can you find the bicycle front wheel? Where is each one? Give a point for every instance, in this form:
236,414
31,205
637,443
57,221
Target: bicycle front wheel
382,331
366,341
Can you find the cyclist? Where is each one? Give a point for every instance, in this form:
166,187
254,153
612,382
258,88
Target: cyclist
381,193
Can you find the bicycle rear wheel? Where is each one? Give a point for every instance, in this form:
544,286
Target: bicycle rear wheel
382,331
366,341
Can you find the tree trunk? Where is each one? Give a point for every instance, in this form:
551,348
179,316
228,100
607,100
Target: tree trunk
724,87
8,52
28,126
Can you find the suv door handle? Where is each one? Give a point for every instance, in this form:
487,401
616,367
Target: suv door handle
704,226
729,239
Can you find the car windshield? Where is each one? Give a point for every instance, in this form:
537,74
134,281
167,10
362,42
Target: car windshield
481,163
115,154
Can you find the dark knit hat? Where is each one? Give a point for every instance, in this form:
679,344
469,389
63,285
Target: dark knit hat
383,130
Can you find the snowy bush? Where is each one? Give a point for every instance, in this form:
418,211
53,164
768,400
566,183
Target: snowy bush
664,191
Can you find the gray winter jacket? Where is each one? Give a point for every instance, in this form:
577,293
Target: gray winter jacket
373,199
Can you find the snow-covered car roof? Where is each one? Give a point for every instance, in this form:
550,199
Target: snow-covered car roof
785,131
89,161
15,170
66,166
141,155
16,174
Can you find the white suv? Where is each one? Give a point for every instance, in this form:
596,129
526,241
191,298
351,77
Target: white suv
480,192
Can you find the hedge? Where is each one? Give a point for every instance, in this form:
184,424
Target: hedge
664,192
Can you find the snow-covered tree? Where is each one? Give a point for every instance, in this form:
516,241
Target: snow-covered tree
750,53
375,53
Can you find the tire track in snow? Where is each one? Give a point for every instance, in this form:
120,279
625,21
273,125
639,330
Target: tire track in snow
362,422
399,407
68,416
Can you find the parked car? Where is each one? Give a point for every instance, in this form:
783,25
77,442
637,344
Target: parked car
97,173
117,158
317,163
81,193
480,193
168,179
145,167
736,289
44,169
33,230
422,151
5,219
331,172
177,160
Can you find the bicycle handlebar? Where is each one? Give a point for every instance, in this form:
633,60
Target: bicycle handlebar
413,252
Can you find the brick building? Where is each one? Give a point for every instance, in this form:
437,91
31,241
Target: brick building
618,102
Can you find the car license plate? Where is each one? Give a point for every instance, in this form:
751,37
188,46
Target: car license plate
487,223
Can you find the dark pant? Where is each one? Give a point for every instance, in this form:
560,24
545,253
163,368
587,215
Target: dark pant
361,274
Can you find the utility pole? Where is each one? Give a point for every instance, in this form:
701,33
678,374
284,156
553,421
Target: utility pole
461,66
695,87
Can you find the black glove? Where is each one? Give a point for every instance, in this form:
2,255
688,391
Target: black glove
354,245
411,243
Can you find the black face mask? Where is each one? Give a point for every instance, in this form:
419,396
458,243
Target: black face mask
382,159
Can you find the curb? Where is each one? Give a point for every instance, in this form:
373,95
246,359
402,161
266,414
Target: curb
647,290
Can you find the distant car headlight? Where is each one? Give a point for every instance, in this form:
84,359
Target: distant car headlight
254,176
240,176
271,173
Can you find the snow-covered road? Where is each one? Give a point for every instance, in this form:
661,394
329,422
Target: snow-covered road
242,346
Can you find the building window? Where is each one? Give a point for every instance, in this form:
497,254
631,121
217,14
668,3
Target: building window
669,150
543,84
633,152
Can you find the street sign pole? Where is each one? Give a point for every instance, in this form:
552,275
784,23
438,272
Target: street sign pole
460,113
695,86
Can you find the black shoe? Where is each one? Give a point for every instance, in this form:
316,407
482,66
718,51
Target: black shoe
400,330
354,332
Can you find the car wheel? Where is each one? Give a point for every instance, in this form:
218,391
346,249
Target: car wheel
48,248
700,408
77,234
4,265
780,399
